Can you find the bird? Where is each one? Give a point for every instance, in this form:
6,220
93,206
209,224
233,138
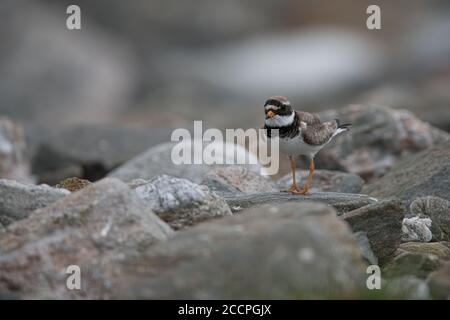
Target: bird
300,134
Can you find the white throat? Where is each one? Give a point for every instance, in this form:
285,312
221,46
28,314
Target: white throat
280,121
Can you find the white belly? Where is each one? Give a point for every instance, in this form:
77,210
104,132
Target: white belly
296,147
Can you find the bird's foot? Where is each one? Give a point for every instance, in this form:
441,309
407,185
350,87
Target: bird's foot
304,191
293,189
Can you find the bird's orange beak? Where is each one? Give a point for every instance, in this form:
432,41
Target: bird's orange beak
270,114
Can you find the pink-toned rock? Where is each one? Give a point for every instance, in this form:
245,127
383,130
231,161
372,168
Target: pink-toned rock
379,138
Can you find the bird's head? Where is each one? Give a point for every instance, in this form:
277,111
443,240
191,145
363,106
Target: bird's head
278,112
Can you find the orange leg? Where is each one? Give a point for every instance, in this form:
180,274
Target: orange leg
309,182
294,187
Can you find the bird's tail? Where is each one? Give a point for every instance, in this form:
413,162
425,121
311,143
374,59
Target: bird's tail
342,126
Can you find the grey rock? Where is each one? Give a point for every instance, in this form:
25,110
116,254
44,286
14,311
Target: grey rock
157,160
88,151
18,201
93,228
439,249
382,223
364,245
220,187
439,283
238,178
416,229
408,287
180,202
326,181
424,174
438,210
379,139
342,202
14,163
412,263
281,251
428,98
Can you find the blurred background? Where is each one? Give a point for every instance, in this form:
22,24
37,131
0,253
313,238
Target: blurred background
139,68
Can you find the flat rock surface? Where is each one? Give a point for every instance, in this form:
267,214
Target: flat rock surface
343,202
325,181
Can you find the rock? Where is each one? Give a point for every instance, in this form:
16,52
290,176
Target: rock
220,187
94,229
285,251
424,174
14,163
88,151
428,98
18,201
240,179
157,160
412,263
73,184
382,223
407,287
180,202
342,202
364,245
416,229
326,181
439,283
438,210
439,249
379,139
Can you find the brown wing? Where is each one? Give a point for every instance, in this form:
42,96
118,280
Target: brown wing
309,118
319,133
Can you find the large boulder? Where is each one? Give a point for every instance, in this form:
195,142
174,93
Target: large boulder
379,139
14,163
92,229
326,181
285,251
18,201
158,160
179,202
382,222
424,174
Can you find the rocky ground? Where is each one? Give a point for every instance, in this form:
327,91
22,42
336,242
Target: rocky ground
139,226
